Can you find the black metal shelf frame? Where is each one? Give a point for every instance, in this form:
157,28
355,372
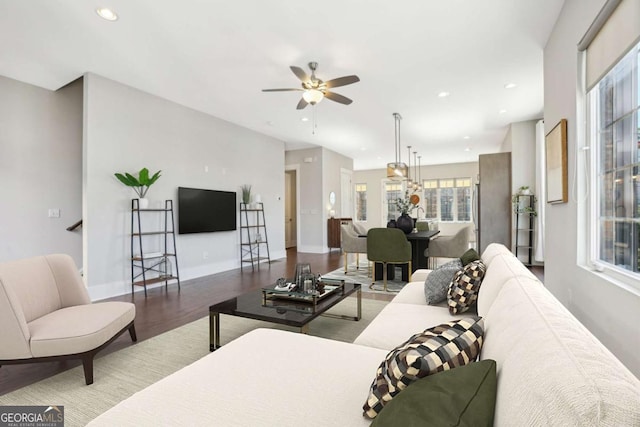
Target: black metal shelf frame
156,263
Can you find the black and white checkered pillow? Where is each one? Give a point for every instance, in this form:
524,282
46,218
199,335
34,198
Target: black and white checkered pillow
464,287
437,349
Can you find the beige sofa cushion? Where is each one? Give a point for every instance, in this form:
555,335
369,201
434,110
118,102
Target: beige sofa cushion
397,322
503,268
264,378
411,293
78,329
551,370
493,250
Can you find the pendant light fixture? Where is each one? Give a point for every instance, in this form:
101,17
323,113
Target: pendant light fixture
419,175
410,183
397,169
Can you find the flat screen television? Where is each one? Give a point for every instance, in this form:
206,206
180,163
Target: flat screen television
204,211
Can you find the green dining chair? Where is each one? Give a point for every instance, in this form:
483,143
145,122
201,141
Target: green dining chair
388,246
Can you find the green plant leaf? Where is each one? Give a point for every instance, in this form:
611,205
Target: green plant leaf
127,180
143,176
134,181
154,178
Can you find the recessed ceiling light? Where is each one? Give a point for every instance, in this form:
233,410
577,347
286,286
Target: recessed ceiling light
467,149
363,148
502,111
305,119
510,85
443,94
106,13
466,137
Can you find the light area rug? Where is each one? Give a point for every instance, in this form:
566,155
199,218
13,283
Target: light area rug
361,275
119,375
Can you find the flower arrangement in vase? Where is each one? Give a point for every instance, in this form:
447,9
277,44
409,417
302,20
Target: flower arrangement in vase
406,205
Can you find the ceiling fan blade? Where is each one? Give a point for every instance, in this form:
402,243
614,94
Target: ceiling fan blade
302,104
299,72
337,98
342,81
280,90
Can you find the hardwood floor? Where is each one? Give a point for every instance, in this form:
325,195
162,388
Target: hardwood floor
164,310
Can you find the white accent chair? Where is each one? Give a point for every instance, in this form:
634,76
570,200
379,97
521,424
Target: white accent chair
448,246
353,240
46,314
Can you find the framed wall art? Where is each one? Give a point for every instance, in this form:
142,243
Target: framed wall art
556,163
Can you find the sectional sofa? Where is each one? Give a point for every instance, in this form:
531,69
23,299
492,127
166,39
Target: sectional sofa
551,371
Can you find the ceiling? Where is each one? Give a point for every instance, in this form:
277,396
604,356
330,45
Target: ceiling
216,56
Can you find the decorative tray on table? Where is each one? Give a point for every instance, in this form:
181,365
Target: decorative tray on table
321,291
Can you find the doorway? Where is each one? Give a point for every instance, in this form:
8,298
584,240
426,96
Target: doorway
290,212
346,193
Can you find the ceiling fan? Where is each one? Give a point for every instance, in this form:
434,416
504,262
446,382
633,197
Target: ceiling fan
314,89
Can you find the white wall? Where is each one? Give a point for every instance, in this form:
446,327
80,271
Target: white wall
374,179
126,129
523,155
319,175
40,168
608,311
310,206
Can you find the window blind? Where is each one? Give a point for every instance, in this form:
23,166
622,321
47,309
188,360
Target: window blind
614,31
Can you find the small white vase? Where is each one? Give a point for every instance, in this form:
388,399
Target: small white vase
143,203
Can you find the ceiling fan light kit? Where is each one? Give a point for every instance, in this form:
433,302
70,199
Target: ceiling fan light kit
397,169
314,89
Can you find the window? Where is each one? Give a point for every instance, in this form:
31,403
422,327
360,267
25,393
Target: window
361,202
393,191
430,197
615,134
447,200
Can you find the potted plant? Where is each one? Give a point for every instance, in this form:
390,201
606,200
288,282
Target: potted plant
140,184
246,194
524,190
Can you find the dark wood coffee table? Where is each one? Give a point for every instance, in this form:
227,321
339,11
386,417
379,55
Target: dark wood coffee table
282,311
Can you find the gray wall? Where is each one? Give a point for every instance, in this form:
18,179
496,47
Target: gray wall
126,129
40,168
606,309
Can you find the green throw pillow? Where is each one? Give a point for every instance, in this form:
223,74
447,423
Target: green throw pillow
469,256
464,396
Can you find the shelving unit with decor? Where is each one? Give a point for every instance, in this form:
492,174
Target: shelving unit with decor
525,213
153,261
253,235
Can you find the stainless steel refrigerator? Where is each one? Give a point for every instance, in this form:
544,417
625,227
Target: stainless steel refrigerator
492,201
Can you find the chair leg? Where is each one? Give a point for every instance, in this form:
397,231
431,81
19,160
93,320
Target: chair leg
384,275
373,275
87,364
132,333
410,271
345,263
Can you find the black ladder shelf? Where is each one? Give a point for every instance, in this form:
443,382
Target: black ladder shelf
524,210
149,267
253,236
